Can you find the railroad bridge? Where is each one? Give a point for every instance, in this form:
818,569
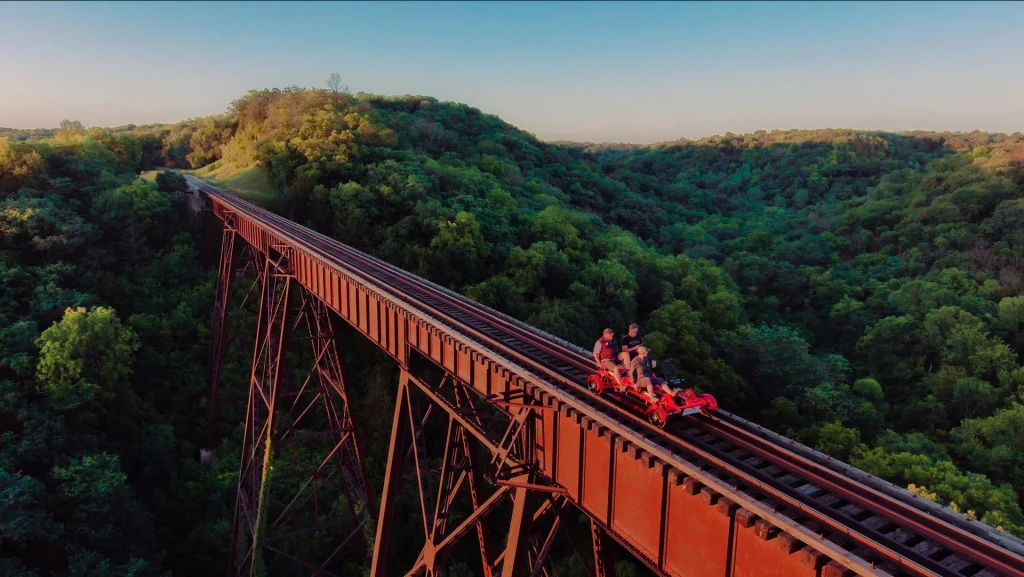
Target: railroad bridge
523,446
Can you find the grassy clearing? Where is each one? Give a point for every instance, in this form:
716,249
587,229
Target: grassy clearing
149,175
251,183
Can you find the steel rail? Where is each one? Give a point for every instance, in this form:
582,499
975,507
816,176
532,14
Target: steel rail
902,495
973,546
850,490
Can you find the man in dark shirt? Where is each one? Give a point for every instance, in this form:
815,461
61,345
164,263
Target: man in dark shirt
629,344
643,374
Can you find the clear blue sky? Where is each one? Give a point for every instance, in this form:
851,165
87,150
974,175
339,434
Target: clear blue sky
598,71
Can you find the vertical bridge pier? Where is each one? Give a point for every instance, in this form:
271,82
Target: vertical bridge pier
300,454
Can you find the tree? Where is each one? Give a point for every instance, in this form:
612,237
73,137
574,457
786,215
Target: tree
334,84
837,440
85,359
106,523
71,125
136,215
994,445
169,181
456,252
44,223
23,515
21,165
776,358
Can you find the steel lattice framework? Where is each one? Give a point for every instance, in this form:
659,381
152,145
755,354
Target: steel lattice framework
281,500
524,446
467,439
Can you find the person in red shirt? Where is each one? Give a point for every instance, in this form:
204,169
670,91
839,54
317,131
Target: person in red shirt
605,354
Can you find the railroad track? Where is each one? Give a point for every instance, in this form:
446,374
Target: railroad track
873,520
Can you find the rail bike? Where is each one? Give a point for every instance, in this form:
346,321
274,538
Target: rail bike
657,410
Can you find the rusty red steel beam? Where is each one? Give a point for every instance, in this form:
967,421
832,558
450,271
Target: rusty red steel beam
518,553
398,326
218,325
264,386
603,561
274,397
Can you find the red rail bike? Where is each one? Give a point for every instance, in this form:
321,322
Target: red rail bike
657,410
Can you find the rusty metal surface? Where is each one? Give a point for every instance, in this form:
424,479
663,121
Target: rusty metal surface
920,522
699,532
288,422
760,550
596,453
524,554
218,325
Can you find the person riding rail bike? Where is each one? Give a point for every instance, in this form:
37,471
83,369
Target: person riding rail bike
642,373
630,344
605,354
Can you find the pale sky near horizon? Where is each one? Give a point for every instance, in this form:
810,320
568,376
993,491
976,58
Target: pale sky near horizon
586,71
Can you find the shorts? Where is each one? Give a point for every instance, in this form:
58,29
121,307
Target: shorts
644,382
610,366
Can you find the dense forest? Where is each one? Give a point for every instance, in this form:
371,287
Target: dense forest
103,308
861,292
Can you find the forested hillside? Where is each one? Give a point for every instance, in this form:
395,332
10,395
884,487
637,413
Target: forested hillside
860,292
104,309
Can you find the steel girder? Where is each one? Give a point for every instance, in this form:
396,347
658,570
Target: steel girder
481,468
218,326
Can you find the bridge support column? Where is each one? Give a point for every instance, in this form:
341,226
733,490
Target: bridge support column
303,493
604,561
483,469
218,327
